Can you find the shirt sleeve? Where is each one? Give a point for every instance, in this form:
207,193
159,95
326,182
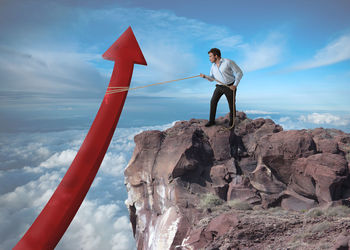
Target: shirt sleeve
237,70
211,74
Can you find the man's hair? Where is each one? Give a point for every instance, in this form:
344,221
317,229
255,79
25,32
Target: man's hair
215,51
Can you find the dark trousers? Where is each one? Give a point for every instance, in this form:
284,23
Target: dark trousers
219,91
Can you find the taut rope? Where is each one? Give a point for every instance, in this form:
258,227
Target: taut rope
113,90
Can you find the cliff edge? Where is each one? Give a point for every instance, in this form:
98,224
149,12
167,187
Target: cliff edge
254,187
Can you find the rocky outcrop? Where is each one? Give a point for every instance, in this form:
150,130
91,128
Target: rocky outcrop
257,163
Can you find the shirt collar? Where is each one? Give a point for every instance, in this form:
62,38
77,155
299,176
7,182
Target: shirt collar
221,60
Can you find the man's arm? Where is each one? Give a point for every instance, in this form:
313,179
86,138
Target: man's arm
209,78
211,75
237,70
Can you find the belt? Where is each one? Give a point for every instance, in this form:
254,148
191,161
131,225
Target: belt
230,84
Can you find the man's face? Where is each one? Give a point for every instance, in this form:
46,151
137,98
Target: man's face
212,58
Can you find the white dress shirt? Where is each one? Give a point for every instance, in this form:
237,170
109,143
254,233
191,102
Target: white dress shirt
227,72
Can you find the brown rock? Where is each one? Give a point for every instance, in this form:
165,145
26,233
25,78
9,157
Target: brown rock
327,146
247,165
257,162
279,150
223,173
240,189
342,242
185,149
221,225
344,146
220,176
219,142
196,239
252,130
180,152
264,180
270,200
147,145
320,175
327,140
295,202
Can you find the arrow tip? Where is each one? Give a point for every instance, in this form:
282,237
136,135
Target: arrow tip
126,47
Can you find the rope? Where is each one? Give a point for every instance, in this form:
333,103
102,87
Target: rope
113,90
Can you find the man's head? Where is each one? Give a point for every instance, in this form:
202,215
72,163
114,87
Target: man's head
214,55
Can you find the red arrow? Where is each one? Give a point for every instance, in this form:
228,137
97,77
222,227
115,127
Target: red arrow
54,219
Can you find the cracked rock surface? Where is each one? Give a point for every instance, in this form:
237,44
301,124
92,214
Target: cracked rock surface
255,166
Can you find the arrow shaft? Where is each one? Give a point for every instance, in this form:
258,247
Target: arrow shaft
54,219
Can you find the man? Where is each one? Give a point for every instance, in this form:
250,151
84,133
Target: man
227,72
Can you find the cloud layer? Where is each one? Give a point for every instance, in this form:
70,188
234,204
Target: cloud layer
325,118
102,220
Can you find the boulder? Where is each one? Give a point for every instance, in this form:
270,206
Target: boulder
264,180
241,189
320,176
280,150
295,202
221,224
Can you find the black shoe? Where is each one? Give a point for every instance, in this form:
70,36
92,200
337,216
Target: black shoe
209,124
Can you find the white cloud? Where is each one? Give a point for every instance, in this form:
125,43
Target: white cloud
260,112
325,118
114,164
284,119
336,51
93,228
19,207
33,150
229,42
169,61
48,72
63,158
263,55
120,241
96,182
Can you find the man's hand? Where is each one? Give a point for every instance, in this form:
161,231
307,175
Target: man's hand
202,75
233,87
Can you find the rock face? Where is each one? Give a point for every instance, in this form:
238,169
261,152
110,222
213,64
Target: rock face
257,163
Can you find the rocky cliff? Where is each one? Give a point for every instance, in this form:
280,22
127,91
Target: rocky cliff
254,187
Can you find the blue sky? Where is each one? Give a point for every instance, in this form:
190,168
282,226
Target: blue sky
295,57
